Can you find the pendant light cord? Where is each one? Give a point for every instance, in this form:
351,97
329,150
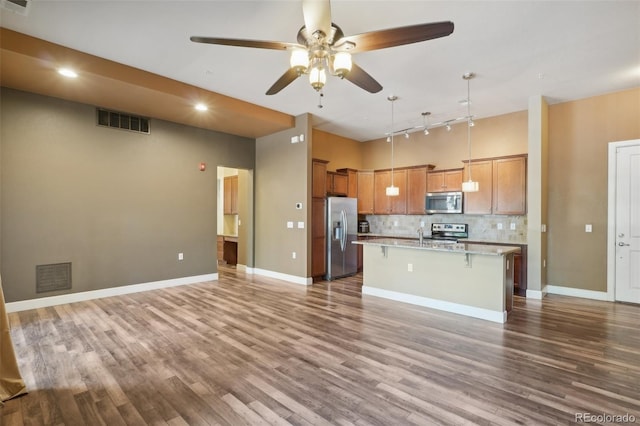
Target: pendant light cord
392,99
469,124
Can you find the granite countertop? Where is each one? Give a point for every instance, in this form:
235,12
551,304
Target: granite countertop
432,245
467,240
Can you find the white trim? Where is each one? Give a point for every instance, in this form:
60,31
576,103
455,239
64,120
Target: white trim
284,277
441,305
45,302
578,292
611,214
537,294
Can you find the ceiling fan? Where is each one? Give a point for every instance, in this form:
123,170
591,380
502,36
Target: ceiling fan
322,47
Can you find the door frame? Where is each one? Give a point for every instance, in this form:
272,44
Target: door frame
611,214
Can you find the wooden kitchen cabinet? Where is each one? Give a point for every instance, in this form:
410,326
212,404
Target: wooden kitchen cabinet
383,204
445,181
337,184
479,202
365,192
352,181
319,178
318,237
230,195
502,186
416,189
220,248
509,186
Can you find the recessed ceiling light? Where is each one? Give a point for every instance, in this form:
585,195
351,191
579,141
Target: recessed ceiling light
201,107
67,72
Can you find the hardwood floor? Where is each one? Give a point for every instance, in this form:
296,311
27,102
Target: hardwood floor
253,350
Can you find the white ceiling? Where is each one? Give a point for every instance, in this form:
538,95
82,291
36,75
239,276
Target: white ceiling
563,50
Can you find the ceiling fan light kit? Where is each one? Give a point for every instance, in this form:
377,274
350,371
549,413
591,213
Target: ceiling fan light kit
322,47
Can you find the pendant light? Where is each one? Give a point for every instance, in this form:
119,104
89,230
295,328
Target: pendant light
470,185
392,191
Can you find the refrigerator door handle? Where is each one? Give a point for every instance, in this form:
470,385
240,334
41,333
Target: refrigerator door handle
343,240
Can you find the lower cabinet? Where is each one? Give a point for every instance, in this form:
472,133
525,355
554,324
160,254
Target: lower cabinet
318,238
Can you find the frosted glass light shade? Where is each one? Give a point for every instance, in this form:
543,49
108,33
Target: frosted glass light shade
299,60
392,191
317,78
342,63
470,186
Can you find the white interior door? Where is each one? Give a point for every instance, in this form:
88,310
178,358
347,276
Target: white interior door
627,226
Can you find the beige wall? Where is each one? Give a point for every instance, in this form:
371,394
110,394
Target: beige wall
282,179
578,136
339,151
117,204
490,137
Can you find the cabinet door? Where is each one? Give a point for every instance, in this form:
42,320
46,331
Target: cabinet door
435,182
479,202
352,190
398,204
340,184
453,180
365,192
381,179
509,183
416,189
318,237
230,204
319,178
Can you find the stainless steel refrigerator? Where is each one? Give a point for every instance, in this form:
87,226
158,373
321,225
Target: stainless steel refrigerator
342,229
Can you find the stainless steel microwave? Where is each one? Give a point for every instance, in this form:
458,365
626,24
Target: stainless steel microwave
443,202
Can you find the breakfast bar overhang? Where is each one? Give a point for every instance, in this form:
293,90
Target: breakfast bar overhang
469,279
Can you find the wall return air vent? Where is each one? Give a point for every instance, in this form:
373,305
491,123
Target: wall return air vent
53,277
17,6
123,121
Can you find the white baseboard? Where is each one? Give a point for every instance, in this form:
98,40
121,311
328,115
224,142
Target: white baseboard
536,294
456,308
44,302
578,292
284,277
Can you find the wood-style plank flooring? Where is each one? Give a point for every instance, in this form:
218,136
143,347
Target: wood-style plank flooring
253,350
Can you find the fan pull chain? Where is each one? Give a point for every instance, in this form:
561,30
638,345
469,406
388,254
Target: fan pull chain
320,95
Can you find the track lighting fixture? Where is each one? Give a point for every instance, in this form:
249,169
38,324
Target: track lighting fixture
406,134
448,127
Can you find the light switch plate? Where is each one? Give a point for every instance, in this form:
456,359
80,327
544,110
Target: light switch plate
290,224
300,225
588,228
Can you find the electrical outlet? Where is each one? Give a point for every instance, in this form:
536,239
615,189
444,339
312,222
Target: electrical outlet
410,267
499,226
293,255
422,224
180,256
513,226
588,228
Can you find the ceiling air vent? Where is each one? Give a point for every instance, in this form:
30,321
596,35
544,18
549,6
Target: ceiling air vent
120,120
17,6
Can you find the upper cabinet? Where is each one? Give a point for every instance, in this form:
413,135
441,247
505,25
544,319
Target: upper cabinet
416,189
365,192
502,186
319,178
352,181
445,181
230,195
384,204
337,184
510,185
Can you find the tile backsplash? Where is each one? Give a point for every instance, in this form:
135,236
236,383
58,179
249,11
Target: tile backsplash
481,228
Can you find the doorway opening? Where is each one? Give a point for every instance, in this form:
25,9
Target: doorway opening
234,221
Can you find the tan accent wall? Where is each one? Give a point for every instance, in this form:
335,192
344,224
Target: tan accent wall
490,137
117,204
339,151
282,179
579,133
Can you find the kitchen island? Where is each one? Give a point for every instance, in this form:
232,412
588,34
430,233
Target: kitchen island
464,278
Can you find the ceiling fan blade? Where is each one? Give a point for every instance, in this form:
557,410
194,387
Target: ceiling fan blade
360,78
286,79
391,37
260,44
317,16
